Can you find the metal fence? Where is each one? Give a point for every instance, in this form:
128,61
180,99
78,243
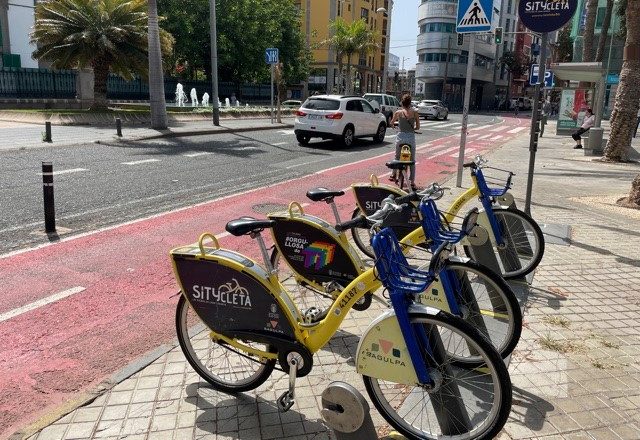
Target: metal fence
22,83
37,83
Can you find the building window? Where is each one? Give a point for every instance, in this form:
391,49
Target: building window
509,7
11,60
507,25
364,13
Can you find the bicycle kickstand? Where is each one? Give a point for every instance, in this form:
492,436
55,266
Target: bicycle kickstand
286,400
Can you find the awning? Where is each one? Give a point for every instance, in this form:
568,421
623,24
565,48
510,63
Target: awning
587,72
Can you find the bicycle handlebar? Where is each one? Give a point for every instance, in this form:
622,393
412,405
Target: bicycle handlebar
360,220
375,219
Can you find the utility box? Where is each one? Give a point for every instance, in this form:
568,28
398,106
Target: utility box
593,145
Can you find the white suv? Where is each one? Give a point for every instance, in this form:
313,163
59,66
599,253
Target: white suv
386,103
338,117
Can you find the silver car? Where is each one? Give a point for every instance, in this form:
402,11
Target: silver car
431,108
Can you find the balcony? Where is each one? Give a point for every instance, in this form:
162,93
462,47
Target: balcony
437,9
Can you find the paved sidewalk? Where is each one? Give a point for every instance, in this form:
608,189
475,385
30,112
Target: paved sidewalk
18,135
576,371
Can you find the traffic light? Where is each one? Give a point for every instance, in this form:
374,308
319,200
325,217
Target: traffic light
498,35
460,39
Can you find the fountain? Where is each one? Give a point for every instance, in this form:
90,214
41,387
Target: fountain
194,97
246,104
238,103
181,97
205,100
227,103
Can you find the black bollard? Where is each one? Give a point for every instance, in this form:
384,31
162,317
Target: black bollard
47,189
119,127
47,132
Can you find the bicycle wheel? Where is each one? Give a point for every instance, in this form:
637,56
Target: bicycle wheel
487,303
361,236
466,402
525,243
225,368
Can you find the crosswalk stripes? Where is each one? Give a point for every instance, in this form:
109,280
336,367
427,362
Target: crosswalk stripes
466,152
517,130
482,127
286,132
472,135
485,136
500,128
495,138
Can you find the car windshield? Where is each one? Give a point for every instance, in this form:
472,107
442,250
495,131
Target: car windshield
321,104
376,98
430,102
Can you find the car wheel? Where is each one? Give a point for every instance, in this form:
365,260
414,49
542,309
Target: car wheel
379,136
303,139
347,136
446,116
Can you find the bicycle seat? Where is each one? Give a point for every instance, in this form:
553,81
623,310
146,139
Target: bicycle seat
246,225
319,194
399,164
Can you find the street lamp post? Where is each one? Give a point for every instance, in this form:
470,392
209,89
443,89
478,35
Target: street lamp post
385,68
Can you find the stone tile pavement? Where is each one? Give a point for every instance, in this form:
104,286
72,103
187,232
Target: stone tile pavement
575,373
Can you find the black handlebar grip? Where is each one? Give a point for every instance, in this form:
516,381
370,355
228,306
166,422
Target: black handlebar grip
469,165
358,221
411,197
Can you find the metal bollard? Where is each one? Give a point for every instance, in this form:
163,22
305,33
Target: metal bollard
47,132
119,127
47,189
346,411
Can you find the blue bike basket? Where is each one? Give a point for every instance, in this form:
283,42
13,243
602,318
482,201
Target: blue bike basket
433,225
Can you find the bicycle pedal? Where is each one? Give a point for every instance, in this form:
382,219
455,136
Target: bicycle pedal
285,401
311,315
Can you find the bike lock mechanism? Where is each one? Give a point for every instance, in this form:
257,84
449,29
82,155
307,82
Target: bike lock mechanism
346,411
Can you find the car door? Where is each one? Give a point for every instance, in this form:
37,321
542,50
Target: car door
353,109
370,119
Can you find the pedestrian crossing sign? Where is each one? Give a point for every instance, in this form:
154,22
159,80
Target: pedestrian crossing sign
474,16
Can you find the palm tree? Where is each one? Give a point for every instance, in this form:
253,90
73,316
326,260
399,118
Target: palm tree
108,35
157,102
605,31
589,29
339,40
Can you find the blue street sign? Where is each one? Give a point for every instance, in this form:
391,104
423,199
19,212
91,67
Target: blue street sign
474,16
546,15
613,78
271,55
533,78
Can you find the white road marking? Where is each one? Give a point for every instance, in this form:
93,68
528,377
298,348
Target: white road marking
202,153
517,130
483,127
450,125
466,152
286,132
41,302
71,170
469,136
495,138
278,143
500,128
442,153
138,162
485,136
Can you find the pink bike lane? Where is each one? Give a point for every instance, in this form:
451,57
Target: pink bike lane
121,289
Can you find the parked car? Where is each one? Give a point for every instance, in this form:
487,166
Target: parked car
386,103
291,103
431,108
338,117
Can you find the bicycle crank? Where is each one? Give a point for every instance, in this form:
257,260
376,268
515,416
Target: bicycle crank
286,400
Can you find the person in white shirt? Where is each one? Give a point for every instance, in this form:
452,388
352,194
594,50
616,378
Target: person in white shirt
588,122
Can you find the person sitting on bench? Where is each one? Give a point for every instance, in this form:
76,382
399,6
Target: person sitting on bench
588,122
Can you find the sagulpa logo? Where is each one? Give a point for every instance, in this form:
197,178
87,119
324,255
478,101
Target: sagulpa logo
386,346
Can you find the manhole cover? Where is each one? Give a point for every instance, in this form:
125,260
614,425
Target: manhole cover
266,208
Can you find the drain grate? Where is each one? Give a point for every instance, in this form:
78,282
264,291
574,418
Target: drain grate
266,208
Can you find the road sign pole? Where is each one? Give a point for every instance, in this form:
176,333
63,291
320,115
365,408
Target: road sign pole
214,63
465,110
535,122
272,73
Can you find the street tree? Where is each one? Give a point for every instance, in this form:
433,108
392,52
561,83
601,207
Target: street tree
565,44
157,104
589,29
625,110
107,35
516,63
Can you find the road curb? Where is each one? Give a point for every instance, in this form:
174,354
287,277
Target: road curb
172,134
90,395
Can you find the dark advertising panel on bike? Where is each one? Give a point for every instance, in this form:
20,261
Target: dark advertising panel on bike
313,252
228,300
369,199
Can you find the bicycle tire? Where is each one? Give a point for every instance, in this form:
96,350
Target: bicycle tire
498,307
528,253
307,297
361,236
494,383
195,341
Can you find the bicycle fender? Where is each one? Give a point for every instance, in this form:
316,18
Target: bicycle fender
382,352
458,259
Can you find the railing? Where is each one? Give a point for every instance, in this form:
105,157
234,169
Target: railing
37,83
22,83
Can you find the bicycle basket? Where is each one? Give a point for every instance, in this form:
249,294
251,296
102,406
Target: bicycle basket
433,226
499,183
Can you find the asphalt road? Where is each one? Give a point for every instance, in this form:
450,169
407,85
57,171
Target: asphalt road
99,185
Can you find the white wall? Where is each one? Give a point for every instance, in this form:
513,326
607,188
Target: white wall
21,21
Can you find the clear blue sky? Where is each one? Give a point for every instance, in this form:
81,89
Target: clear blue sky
404,31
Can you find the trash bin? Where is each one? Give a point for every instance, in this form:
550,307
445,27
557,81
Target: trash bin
593,145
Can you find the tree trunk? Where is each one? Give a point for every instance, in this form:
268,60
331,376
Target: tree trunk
339,57
348,86
634,194
587,49
100,78
156,78
604,31
625,110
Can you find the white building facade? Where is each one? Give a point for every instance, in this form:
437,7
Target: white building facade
16,24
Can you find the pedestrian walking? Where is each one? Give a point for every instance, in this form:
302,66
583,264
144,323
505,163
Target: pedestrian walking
408,122
588,122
